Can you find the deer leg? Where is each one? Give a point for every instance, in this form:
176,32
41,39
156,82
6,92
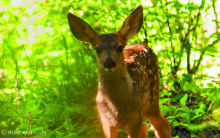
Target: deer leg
161,126
109,123
134,125
159,122
109,131
143,132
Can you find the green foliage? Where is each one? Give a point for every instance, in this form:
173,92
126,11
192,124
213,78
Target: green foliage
49,76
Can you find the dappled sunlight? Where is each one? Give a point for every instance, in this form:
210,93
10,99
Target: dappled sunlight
146,2
24,3
158,47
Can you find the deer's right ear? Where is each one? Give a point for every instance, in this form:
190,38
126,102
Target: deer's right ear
81,29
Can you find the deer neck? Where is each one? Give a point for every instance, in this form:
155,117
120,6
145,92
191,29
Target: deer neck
117,85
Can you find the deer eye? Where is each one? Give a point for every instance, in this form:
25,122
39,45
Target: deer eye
98,50
119,48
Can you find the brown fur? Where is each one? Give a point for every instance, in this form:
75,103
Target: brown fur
128,89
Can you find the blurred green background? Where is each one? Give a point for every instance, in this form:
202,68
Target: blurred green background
49,76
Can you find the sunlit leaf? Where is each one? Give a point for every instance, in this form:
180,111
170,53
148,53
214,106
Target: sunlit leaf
184,99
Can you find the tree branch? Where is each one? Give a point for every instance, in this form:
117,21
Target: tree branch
30,123
170,31
188,51
176,67
198,63
187,44
29,115
216,15
145,32
202,54
170,38
210,45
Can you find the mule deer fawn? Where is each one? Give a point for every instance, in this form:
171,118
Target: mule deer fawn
128,89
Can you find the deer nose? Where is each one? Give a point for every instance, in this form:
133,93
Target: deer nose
109,63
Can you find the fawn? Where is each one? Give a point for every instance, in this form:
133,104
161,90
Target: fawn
128,89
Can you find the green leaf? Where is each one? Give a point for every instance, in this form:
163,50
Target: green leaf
177,97
184,99
195,127
73,135
202,107
184,116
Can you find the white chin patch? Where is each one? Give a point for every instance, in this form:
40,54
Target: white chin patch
109,69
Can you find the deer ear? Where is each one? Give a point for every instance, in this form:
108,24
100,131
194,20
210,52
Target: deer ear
133,23
81,29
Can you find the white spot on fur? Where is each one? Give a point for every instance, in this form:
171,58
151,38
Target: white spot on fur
145,50
152,127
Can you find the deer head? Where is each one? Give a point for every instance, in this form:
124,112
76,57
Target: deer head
108,47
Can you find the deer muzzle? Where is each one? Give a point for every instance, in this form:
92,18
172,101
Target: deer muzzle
109,64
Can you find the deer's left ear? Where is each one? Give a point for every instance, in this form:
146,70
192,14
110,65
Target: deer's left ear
133,23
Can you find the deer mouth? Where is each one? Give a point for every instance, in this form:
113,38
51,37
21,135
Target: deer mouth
109,69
